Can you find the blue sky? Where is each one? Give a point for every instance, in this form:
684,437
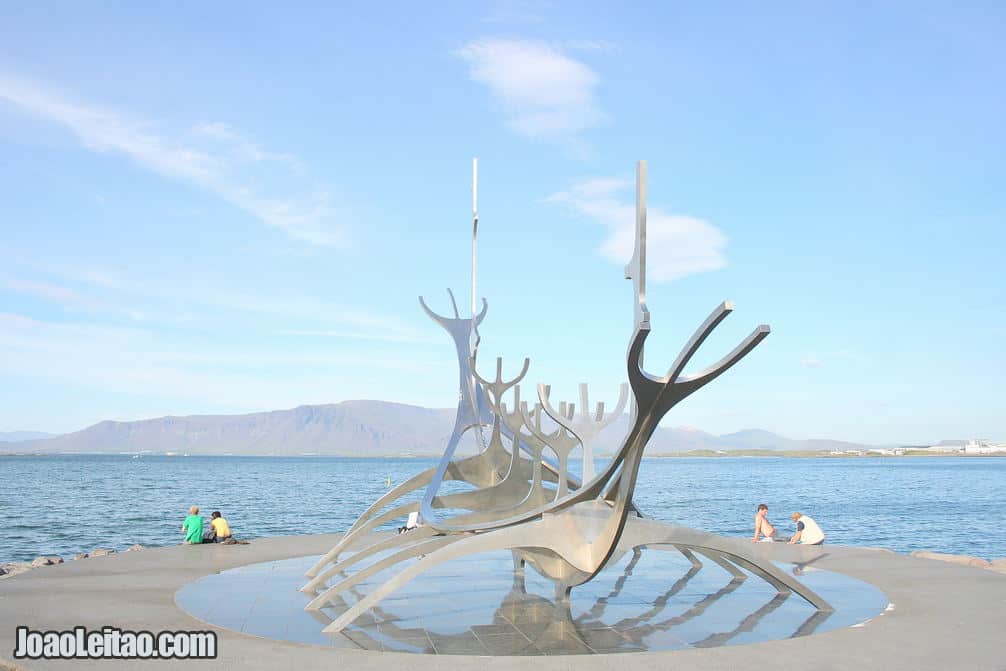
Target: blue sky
228,208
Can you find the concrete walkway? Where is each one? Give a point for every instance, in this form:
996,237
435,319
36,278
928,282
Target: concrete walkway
944,617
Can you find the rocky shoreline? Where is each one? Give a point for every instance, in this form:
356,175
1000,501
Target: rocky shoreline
10,569
997,565
13,568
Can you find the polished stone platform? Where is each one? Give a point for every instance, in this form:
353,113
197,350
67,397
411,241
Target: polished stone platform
944,616
652,599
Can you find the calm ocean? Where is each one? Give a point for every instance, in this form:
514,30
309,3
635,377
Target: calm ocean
68,504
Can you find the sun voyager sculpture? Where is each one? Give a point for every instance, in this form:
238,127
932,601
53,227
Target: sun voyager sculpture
567,528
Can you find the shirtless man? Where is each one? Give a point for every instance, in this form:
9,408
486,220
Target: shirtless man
762,526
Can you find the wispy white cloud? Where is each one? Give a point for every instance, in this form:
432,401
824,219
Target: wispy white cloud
811,362
103,292
544,92
45,290
243,148
69,299
133,360
211,156
676,245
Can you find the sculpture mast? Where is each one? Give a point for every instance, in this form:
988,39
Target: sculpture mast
475,234
635,270
474,335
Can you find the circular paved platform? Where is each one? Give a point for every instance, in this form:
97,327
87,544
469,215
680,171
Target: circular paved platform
649,599
942,616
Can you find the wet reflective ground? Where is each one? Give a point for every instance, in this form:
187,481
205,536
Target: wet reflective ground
651,599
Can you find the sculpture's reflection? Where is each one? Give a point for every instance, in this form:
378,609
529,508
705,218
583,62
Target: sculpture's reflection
525,623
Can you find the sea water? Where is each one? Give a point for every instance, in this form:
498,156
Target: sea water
62,505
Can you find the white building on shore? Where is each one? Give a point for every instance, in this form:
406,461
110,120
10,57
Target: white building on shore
975,446
947,447
983,446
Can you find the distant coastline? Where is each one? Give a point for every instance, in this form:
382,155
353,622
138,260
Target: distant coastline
382,429
690,454
807,454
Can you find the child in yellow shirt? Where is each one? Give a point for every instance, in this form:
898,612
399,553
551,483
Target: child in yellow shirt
221,530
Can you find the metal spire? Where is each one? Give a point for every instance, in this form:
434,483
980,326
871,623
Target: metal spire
475,231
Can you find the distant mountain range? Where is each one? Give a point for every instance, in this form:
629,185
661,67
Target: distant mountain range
351,428
759,439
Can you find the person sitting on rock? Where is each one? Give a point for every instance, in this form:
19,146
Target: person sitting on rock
762,526
807,531
221,530
192,527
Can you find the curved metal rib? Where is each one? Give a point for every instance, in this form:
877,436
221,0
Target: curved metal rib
700,335
445,321
395,541
417,550
702,378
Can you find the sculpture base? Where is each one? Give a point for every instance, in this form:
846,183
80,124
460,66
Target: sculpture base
651,599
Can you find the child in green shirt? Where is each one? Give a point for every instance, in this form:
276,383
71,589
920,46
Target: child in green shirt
193,526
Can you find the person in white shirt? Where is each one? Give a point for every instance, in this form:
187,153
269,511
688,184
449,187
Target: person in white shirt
807,531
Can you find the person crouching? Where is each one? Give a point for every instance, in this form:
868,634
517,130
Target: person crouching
807,531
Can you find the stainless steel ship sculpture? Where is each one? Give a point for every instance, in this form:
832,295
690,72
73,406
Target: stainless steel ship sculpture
522,501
